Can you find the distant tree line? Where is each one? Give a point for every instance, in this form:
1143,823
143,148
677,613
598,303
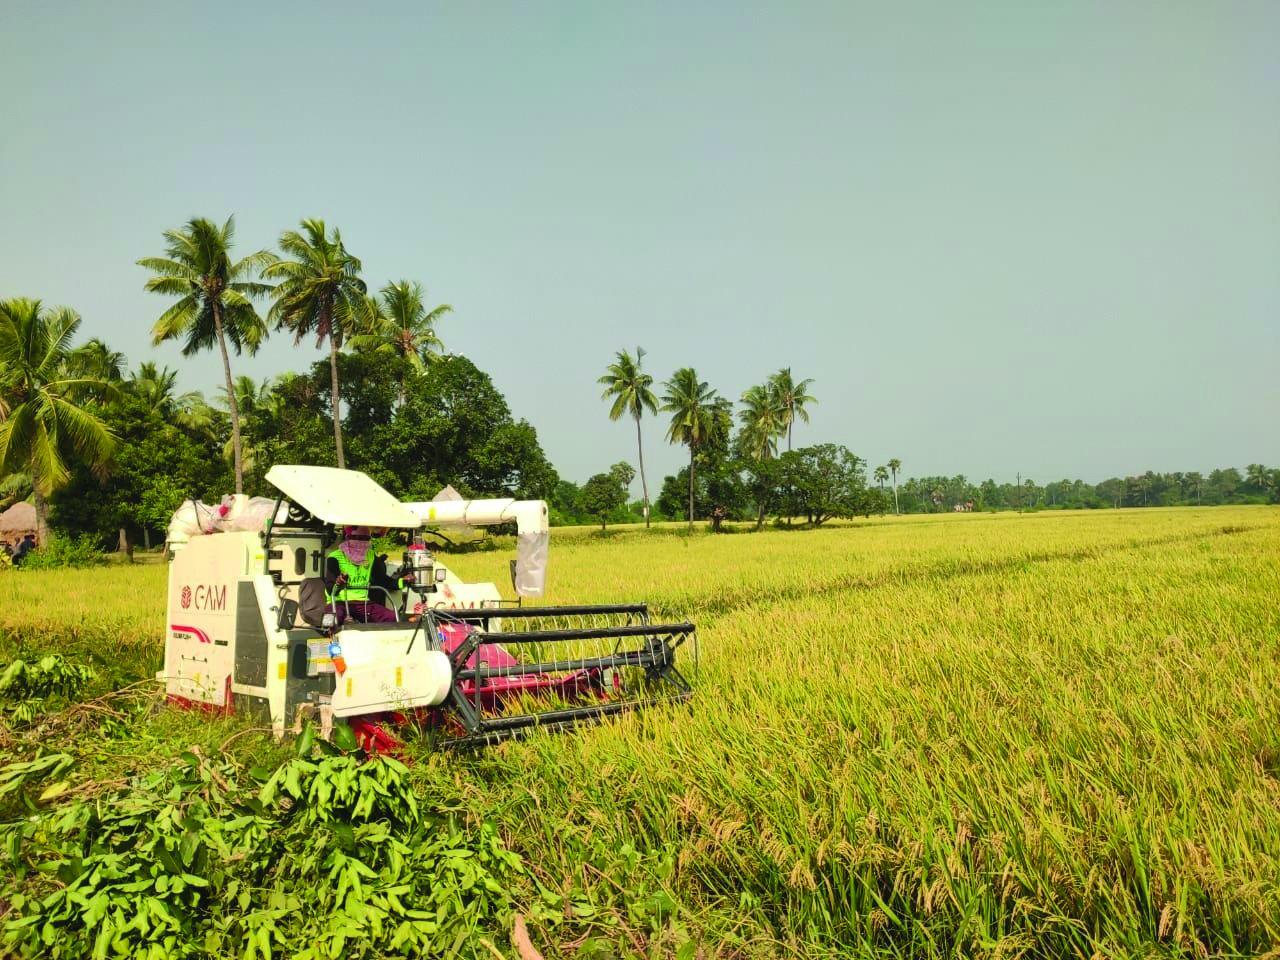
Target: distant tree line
1228,485
106,450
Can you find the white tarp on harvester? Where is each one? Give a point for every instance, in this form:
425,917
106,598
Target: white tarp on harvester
531,563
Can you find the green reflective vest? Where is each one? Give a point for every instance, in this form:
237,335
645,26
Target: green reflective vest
358,578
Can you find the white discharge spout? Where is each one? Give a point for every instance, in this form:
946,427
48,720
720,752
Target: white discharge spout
530,517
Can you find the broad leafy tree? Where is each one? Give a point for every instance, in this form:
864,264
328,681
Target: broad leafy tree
319,292
215,300
719,492
398,323
826,481
793,398
157,465
630,388
456,428
763,485
693,406
602,496
41,426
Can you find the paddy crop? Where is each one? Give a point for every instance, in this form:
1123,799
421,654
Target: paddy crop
1040,735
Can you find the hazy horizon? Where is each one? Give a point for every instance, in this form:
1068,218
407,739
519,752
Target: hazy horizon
1001,239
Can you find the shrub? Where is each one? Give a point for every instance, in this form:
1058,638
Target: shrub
330,856
30,688
80,551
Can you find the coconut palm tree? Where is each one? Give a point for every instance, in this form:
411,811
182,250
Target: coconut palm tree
762,418
39,426
894,466
320,292
399,324
94,360
630,388
1258,477
882,474
693,406
253,403
215,304
155,387
1195,483
14,488
793,397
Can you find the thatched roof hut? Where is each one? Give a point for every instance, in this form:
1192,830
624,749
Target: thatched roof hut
17,522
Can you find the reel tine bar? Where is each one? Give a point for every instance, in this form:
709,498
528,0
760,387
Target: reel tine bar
588,669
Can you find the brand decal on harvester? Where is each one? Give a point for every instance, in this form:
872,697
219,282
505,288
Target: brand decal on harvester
183,632
204,597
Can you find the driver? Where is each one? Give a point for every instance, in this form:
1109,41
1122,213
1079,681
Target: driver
350,570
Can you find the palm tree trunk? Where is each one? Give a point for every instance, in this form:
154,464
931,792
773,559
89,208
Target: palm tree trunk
42,507
691,486
337,420
895,492
643,486
231,399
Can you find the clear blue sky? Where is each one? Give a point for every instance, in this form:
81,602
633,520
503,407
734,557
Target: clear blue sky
1000,237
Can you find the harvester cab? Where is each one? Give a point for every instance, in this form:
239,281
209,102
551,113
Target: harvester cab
252,628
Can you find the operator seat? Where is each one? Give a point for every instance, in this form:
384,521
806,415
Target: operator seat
312,602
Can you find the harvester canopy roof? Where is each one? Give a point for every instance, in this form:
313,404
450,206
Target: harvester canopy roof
341,496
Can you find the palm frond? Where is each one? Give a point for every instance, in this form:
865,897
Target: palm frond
174,321
58,329
168,268
171,286
434,316
255,262
17,434
286,269
87,435
251,288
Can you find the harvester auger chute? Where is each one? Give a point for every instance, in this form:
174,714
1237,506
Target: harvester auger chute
458,662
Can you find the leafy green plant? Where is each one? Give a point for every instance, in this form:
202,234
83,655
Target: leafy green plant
58,552
30,688
15,776
49,676
328,855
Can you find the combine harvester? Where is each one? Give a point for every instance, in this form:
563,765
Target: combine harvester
249,628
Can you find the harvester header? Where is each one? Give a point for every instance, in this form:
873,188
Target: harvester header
261,620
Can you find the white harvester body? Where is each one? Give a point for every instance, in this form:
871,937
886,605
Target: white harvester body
458,661
226,647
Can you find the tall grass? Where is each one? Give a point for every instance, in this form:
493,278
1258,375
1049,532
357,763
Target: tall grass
1040,735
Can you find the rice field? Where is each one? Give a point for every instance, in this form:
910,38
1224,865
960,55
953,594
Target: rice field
1051,734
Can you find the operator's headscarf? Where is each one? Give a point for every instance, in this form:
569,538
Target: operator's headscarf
356,544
